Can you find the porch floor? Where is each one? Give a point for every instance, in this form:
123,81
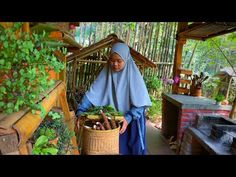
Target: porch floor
156,143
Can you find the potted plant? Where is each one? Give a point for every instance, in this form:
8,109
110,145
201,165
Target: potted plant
219,98
25,61
196,84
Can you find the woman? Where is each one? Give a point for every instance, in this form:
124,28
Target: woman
121,85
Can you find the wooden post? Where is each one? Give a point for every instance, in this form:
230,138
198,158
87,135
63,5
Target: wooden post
25,27
68,119
178,53
233,111
23,150
228,89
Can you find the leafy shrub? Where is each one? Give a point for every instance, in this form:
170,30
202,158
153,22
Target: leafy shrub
25,60
154,110
52,127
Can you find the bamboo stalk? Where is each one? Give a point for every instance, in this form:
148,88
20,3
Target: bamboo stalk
95,35
74,76
146,34
135,31
90,33
101,31
168,43
84,34
80,35
150,41
157,38
165,42
161,43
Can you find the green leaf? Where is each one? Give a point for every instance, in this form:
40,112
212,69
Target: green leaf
41,140
2,38
8,65
33,111
36,150
5,44
2,62
22,72
3,90
50,151
10,105
8,83
1,104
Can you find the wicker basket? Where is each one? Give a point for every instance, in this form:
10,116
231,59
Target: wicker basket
100,142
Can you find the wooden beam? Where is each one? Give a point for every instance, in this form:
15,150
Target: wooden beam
26,126
220,33
80,54
185,28
185,81
194,26
70,40
185,71
109,40
183,90
178,54
23,150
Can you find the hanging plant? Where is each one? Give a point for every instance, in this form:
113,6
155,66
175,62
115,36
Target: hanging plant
25,61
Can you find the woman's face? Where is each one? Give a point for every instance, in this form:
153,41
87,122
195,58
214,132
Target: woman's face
116,62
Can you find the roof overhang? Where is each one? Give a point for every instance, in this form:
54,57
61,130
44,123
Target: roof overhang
206,30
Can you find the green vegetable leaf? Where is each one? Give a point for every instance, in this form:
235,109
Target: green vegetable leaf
41,140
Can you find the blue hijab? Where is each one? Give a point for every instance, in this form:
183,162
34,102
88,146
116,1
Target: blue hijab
122,89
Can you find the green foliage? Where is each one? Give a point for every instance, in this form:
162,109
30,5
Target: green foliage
129,25
210,87
155,109
153,85
24,61
51,128
43,147
219,98
108,111
208,56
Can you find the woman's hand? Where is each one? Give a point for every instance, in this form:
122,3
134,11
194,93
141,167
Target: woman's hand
124,125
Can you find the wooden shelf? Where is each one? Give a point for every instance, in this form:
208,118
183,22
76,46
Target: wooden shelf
183,90
185,81
185,71
24,123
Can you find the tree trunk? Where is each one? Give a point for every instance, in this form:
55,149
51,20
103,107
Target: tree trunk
191,58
